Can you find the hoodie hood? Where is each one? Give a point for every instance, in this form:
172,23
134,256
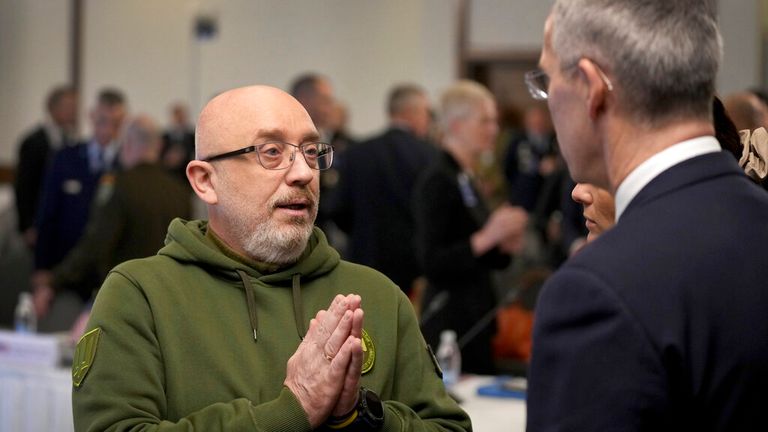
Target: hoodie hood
186,242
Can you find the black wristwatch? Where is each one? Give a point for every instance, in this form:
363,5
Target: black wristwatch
370,410
368,415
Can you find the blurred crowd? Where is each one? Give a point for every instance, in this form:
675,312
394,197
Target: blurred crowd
467,209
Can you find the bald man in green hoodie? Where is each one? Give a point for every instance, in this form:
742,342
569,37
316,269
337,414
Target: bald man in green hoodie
241,322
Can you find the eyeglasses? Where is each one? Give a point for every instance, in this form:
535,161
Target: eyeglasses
275,155
537,82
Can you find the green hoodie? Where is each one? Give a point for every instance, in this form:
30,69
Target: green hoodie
175,349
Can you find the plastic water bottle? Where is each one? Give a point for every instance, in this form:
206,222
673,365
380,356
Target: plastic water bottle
24,318
449,357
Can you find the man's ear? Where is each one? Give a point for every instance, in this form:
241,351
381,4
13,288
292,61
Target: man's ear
200,175
598,87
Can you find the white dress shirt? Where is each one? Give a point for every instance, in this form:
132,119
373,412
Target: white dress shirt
658,163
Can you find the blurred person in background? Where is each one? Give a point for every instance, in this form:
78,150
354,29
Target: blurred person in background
460,240
73,178
315,93
373,201
129,220
178,142
59,130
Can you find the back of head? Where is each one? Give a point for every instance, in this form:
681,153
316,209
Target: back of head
663,55
460,100
403,96
141,141
408,107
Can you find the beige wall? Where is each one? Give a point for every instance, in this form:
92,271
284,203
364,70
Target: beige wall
146,48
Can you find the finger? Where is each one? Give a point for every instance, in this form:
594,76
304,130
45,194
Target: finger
357,323
340,363
349,392
339,335
330,319
353,301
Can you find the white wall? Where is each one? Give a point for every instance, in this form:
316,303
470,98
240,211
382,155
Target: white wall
33,58
740,27
365,46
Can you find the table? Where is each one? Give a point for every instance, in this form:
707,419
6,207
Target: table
34,399
40,399
489,414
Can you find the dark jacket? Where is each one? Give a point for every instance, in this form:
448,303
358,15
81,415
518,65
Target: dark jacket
460,291
68,190
35,152
373,202
129,220
661,324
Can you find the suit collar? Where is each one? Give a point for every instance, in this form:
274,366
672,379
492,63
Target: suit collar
657,164
694,170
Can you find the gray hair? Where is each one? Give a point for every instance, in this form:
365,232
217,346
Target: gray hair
460,100
663,54
403,96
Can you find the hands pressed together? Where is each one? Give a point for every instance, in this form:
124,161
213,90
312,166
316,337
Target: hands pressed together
324,372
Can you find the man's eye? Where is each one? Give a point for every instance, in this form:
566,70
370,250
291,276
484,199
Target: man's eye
311,151
270,150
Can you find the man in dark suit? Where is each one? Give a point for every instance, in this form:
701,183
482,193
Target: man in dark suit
72,181
373,201
36,151
660,324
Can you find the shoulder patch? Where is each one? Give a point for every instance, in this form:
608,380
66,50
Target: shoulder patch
369,352
84,355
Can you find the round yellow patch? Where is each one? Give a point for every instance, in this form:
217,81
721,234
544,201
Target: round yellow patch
369,352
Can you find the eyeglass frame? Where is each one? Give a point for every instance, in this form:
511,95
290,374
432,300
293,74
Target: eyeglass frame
254,147
538,93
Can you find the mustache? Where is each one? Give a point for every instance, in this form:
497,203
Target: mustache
300,195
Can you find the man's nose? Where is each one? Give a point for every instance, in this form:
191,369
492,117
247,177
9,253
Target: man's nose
299,172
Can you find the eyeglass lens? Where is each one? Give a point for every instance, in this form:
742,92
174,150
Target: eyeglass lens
538,83
278,155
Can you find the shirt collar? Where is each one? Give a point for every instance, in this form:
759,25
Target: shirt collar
658,163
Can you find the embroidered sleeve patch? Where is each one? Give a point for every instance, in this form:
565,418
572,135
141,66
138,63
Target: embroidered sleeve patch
369,352
84,355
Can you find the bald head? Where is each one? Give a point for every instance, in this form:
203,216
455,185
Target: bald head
238,117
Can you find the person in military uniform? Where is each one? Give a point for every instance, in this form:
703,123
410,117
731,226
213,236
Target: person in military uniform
128,220
229,326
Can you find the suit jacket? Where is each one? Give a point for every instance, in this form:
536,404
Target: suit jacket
34,154
661,324
372,202
68,190
460,291
129,221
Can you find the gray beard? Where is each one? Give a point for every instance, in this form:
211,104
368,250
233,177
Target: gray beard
273,245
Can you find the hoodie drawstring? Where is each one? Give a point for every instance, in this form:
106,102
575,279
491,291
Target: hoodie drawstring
298,306
251,301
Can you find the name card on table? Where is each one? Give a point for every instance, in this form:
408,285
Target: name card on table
29,349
